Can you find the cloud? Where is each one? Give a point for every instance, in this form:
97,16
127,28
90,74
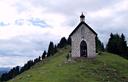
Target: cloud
31,21
19,21
38,22
12,61
3,24
19,49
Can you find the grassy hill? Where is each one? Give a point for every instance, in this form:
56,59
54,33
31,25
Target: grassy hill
105,68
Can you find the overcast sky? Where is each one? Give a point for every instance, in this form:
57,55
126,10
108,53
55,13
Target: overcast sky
27,26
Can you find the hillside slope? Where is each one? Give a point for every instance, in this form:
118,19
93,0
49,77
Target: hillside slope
105,68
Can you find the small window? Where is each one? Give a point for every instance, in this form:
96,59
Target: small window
82,32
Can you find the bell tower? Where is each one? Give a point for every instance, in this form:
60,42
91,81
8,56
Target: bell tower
82,18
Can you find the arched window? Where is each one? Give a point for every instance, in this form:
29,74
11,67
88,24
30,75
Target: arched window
83,49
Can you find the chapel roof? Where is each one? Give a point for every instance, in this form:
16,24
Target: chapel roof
82,22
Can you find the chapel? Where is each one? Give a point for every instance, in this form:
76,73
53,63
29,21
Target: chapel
83,42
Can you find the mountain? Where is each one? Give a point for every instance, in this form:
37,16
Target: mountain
4,69
106,67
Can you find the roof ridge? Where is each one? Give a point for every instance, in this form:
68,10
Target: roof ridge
82,22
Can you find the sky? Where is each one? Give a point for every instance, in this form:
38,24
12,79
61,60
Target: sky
27,26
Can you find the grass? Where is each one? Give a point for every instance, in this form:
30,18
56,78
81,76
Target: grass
105,68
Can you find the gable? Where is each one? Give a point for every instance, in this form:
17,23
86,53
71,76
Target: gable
79,27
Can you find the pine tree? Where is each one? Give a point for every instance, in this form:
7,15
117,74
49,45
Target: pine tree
124,44
39,59
117,45
50,49
99,45
69,40
44,54
102,47
63,42
110,44
55,49
27,66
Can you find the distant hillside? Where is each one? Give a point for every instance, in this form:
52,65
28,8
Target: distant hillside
105,68
3,70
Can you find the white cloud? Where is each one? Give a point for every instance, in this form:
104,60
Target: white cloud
12,61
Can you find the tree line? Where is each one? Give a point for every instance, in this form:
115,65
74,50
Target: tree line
117,44
52,49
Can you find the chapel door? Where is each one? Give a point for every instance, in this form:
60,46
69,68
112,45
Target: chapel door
83,49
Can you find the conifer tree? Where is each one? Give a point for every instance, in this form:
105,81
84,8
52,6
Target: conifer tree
50,49
44,54
69,40
55,49
62,43
118,45
99,45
